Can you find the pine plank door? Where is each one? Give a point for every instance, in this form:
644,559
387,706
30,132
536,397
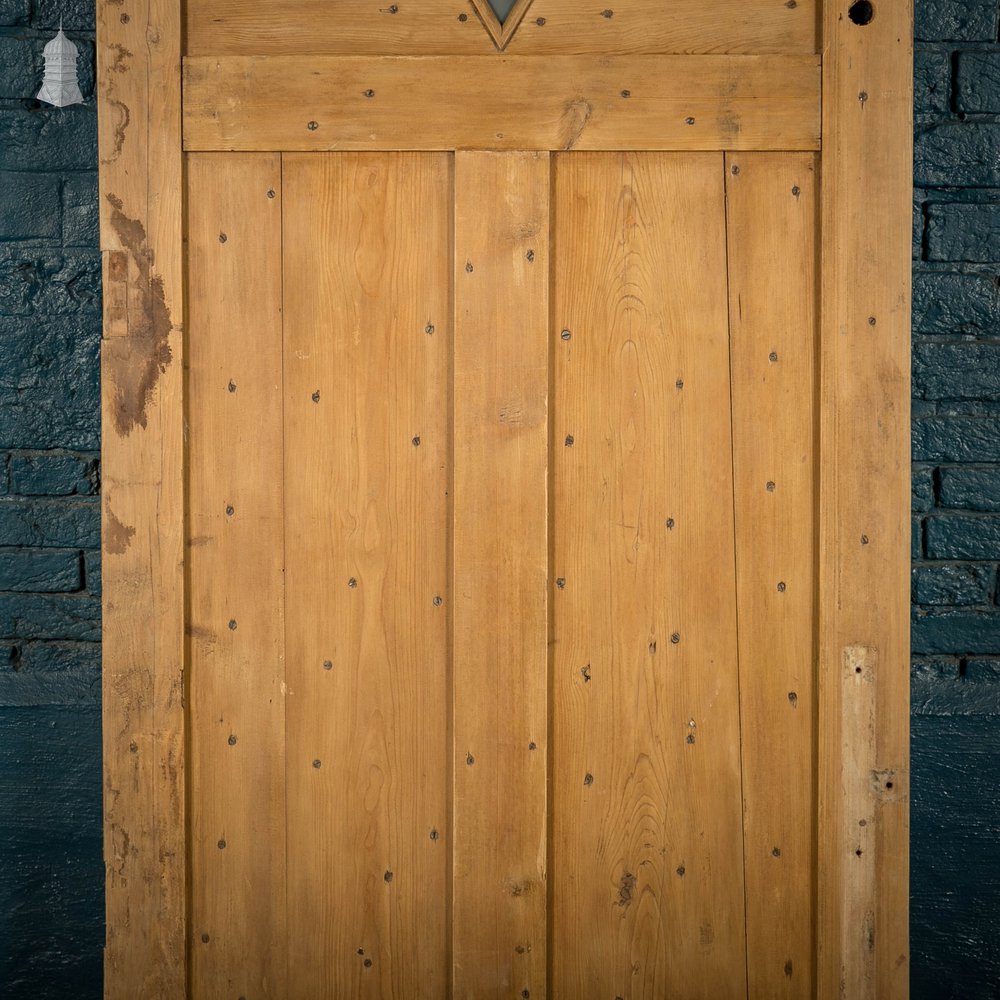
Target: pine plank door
505,499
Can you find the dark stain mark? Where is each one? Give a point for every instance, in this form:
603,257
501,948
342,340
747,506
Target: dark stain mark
706,935
136,372
387,877
788,968
626,889
116,535
121,54
585,672
124,120
588,778
730,124
680,871
794,699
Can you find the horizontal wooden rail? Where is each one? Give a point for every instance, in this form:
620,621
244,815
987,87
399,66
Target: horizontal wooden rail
502,102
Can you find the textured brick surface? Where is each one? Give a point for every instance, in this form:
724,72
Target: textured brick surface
978,82
955,20
51,870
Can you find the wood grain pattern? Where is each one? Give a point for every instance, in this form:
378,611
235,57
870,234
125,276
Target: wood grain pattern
864,491
500,572
443,27
236,714
502,102
771,234
647,849
142,477
366,292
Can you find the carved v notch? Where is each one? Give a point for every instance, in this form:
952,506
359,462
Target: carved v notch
500,32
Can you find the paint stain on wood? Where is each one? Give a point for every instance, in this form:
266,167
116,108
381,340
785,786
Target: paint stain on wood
137,372
115,535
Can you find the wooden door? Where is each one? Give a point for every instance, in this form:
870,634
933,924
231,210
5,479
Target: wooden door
505,499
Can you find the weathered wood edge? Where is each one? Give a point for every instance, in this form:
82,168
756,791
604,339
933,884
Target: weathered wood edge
141,202
864,473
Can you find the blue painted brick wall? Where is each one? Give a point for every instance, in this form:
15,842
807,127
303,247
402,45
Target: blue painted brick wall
955,845
51,873
51,870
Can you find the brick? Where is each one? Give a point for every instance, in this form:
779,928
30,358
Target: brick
964,232
956,304
957,633
962,154
50,138
965,370
49,384
971,488
917,233
955,20
42,282
29,207
53,475
922,489
951,584
50,523
916,537
76,15
79,210
956,439
20,73
931,82
14,12
59,616
40,570
978,82
957,536
52,673
937,687
92,571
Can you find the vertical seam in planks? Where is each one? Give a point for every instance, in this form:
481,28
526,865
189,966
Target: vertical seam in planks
284,542
736,578
450,746
550,468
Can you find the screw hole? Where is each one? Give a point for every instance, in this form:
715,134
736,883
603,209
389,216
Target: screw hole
862,12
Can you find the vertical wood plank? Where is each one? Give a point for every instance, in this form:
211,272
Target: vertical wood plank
771,230
367,301
139,98
647,846
236,603
500,572
864,498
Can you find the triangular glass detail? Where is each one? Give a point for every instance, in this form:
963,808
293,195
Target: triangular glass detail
501,8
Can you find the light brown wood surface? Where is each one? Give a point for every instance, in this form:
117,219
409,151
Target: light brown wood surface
771,212
366,272
142,476
453,27
864,496
647,855
502,102
235,507
500,565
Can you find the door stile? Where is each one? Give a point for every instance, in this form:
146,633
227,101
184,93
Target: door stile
500,560
864,527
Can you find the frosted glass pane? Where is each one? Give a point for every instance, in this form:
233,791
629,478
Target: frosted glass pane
501,8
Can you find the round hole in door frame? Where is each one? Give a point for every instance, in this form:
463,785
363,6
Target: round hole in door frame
861,12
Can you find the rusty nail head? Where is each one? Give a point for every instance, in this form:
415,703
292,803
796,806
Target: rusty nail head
352,583
438,600
772,357
463,17
328,664
561,583
312,126
317,763
223,237
232,624
315,396
270,192
232,740
689,121
222,845
675,638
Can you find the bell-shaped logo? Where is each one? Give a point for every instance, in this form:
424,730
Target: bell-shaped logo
59,85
